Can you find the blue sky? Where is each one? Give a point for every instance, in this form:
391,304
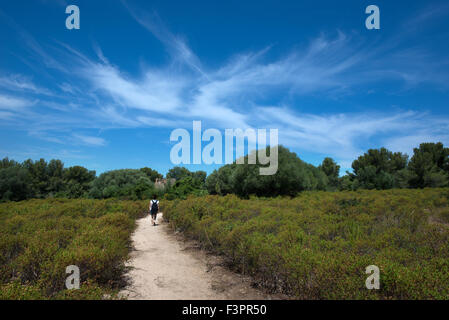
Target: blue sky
108,96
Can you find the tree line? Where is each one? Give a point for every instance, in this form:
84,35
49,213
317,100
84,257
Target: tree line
376,169
42,179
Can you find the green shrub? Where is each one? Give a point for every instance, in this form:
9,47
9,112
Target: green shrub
40,238
317,245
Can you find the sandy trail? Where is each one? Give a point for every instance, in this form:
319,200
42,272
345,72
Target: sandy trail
165,267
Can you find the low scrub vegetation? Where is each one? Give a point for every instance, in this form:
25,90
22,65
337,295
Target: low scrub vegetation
318,245
314,246
40,238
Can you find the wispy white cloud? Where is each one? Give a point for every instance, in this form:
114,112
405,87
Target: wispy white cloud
431,12
346,136
13,103
89,140
17,82
156,121
68,88
157,92
177,47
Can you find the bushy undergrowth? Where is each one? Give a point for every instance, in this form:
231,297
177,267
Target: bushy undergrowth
40,238
318,245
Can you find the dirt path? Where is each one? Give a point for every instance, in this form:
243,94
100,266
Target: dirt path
164,267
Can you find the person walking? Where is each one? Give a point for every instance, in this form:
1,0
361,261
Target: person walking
154,209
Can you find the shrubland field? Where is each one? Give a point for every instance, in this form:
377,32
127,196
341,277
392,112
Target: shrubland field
318,245
40,238
314,246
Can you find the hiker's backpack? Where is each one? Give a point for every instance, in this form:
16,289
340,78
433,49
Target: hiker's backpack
154,206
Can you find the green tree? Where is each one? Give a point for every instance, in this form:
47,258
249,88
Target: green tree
15,184
185,186
126,183
332,170
39,176
178,173
211,182
78,181
346,183
152,174
220,181
293,176
379,169
200,176
429,166
6,163
56,184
